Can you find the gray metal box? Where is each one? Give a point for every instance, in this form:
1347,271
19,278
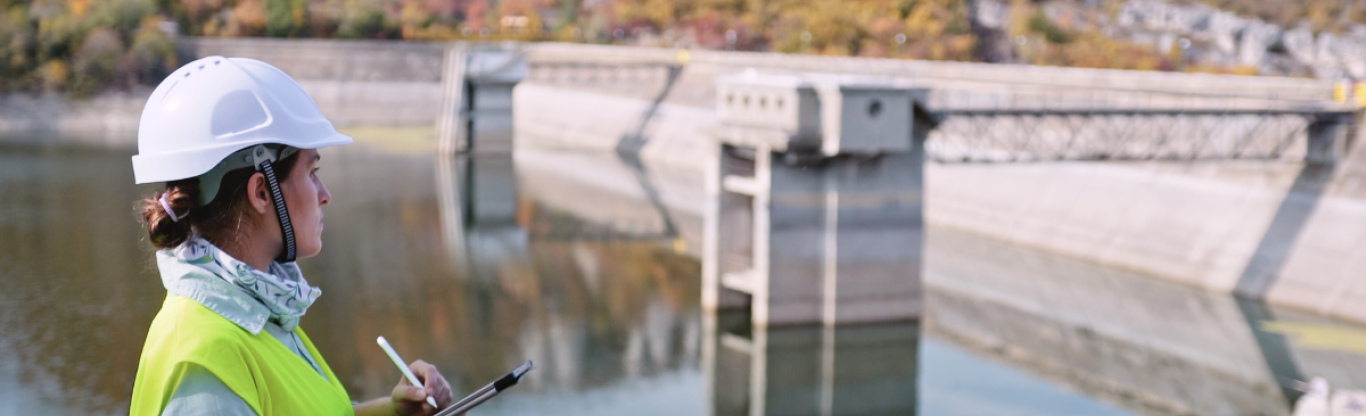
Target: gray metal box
865,119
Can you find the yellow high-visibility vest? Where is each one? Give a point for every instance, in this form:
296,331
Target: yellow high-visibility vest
273,380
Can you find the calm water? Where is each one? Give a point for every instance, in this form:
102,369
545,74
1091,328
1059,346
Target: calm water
479,264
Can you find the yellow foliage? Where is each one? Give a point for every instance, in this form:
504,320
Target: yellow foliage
250,16
78,7
569,33
926,20
1018,20
412,18
1245,70
1176,54
937,51
1207,69
54,75
1091,50
432,32
659,13
211,27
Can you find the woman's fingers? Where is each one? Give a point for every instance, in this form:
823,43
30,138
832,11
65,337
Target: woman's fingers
435,384
408,400
405,392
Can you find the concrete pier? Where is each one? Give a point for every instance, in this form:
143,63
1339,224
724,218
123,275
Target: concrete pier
814,209
476,100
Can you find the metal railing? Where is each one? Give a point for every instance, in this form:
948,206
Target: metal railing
985,136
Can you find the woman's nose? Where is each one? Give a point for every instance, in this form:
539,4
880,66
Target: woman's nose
323,196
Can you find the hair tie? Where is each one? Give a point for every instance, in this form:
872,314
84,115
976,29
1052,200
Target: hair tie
167,206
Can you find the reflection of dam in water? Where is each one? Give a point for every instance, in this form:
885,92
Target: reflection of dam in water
1149,347
613,316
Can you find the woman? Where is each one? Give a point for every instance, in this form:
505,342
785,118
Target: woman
235,141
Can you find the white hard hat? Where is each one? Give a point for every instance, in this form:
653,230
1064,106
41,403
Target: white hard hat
217,114
212,107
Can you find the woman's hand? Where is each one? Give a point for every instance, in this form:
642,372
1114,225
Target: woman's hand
412,400
409,400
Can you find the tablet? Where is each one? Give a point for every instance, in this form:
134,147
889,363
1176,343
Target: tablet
482,395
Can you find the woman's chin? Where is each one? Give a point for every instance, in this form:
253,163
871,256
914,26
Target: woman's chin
310,251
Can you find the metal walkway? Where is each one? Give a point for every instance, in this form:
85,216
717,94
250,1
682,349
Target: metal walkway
983,135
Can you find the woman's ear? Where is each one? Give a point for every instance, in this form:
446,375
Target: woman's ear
258,194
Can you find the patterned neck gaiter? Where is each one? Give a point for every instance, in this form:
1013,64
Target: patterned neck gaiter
281,289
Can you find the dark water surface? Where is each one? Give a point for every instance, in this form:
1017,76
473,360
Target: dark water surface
476,265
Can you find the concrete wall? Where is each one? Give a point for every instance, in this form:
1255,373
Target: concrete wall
1209,224
107,120
373,83
959,84
1279,229
355,83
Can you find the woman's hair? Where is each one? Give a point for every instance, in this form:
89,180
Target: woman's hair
219,221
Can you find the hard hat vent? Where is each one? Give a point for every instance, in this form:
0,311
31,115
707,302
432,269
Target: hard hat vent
238,112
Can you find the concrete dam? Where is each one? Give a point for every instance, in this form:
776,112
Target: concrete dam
1084,226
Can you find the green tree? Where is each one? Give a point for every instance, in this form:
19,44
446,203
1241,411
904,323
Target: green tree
95,62
285,18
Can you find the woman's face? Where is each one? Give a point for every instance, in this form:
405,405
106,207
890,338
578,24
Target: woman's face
305,196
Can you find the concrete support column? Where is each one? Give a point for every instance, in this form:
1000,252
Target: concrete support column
451,124
476,98
844,242
826,232
1329,138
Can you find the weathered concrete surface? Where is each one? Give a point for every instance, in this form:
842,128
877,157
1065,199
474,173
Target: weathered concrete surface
952,84
677,133
106,120
1284,231
382,83
673,113
599,188
1293,232
355,83
1196,224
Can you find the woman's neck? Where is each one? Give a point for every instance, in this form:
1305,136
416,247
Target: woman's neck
258,256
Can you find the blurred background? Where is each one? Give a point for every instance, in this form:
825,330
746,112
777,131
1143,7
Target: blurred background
741,207
80,47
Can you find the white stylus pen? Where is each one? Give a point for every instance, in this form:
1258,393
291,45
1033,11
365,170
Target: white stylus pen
403,367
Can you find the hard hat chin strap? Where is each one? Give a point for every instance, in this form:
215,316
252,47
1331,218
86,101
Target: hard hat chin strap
263,158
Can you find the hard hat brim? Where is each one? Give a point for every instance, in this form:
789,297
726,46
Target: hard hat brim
174,166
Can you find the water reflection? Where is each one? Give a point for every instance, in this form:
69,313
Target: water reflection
76,298
807,370
474,293
1139,343
477,264
80,289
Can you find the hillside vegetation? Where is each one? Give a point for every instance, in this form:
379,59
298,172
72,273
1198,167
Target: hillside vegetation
79,47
